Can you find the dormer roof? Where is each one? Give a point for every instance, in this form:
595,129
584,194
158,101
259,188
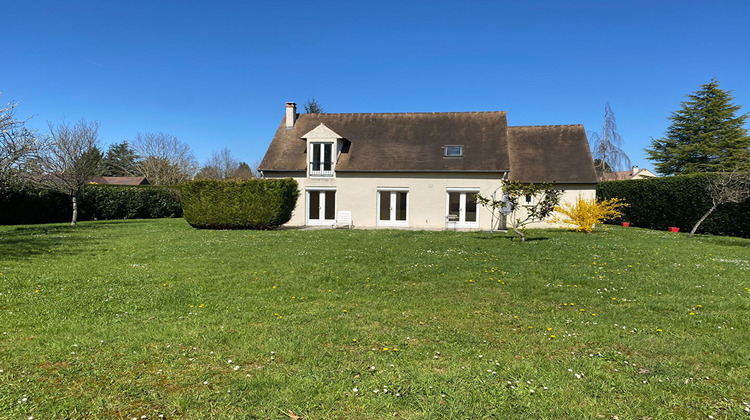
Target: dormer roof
321,132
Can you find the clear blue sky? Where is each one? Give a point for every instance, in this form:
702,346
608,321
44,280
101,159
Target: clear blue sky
218,73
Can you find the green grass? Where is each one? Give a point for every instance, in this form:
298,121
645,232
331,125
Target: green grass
132,318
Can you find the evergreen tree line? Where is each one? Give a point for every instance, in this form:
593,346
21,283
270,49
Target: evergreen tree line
706,135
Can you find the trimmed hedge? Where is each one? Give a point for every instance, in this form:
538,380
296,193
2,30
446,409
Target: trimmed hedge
28,205
23,205
679,201
239,204
106,202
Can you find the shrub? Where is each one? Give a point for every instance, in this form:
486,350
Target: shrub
585,214
103,202
679,201
27,205
239,204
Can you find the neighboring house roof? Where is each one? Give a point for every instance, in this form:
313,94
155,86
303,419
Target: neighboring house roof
414,142
119,180
635,173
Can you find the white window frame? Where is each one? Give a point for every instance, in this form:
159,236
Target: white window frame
392,222
311,154
322,206
465,193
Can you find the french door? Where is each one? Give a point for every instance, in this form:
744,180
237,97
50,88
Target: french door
393,207
462,208
321,207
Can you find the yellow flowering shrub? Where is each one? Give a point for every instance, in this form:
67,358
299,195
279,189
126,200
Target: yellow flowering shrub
585,214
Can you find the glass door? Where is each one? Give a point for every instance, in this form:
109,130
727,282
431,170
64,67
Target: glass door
321,207
462,209
393,208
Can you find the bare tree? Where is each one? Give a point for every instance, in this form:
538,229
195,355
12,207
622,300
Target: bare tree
733,187
255,165
70,160
607,148
221,165
18,145
164,159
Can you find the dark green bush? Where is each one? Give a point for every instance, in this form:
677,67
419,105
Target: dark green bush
106,202
679,201
239,204
21,205
28,205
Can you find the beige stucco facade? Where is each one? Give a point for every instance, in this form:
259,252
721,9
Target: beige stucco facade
427,199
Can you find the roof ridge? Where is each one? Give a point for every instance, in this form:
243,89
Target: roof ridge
546,125
408,113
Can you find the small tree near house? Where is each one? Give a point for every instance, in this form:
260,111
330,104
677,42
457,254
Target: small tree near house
732,187
543,199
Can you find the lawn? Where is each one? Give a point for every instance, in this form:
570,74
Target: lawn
127,319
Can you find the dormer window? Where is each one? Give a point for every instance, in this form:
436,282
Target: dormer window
321,159
323,149
454,151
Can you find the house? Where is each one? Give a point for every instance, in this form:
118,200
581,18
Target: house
119,180
419,170
634,173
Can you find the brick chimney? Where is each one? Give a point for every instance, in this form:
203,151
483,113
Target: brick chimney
291,114
635,168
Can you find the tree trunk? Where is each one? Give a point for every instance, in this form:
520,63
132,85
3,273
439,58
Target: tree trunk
692,232
515,229
75,211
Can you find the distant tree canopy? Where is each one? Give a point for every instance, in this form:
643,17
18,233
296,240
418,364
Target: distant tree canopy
120,160
244,171
313,107
607,147
19,146
165,160
223,165
705,136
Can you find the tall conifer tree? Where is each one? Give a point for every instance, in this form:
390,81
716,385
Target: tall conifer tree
120,160
705,135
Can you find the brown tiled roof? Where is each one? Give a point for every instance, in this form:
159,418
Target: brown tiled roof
618,176
555,153
399,142
413,142
625,175
119,180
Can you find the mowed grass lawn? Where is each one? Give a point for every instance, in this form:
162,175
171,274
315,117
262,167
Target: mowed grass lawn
127,319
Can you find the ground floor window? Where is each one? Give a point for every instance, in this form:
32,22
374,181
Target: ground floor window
321,207
462,208
393,207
